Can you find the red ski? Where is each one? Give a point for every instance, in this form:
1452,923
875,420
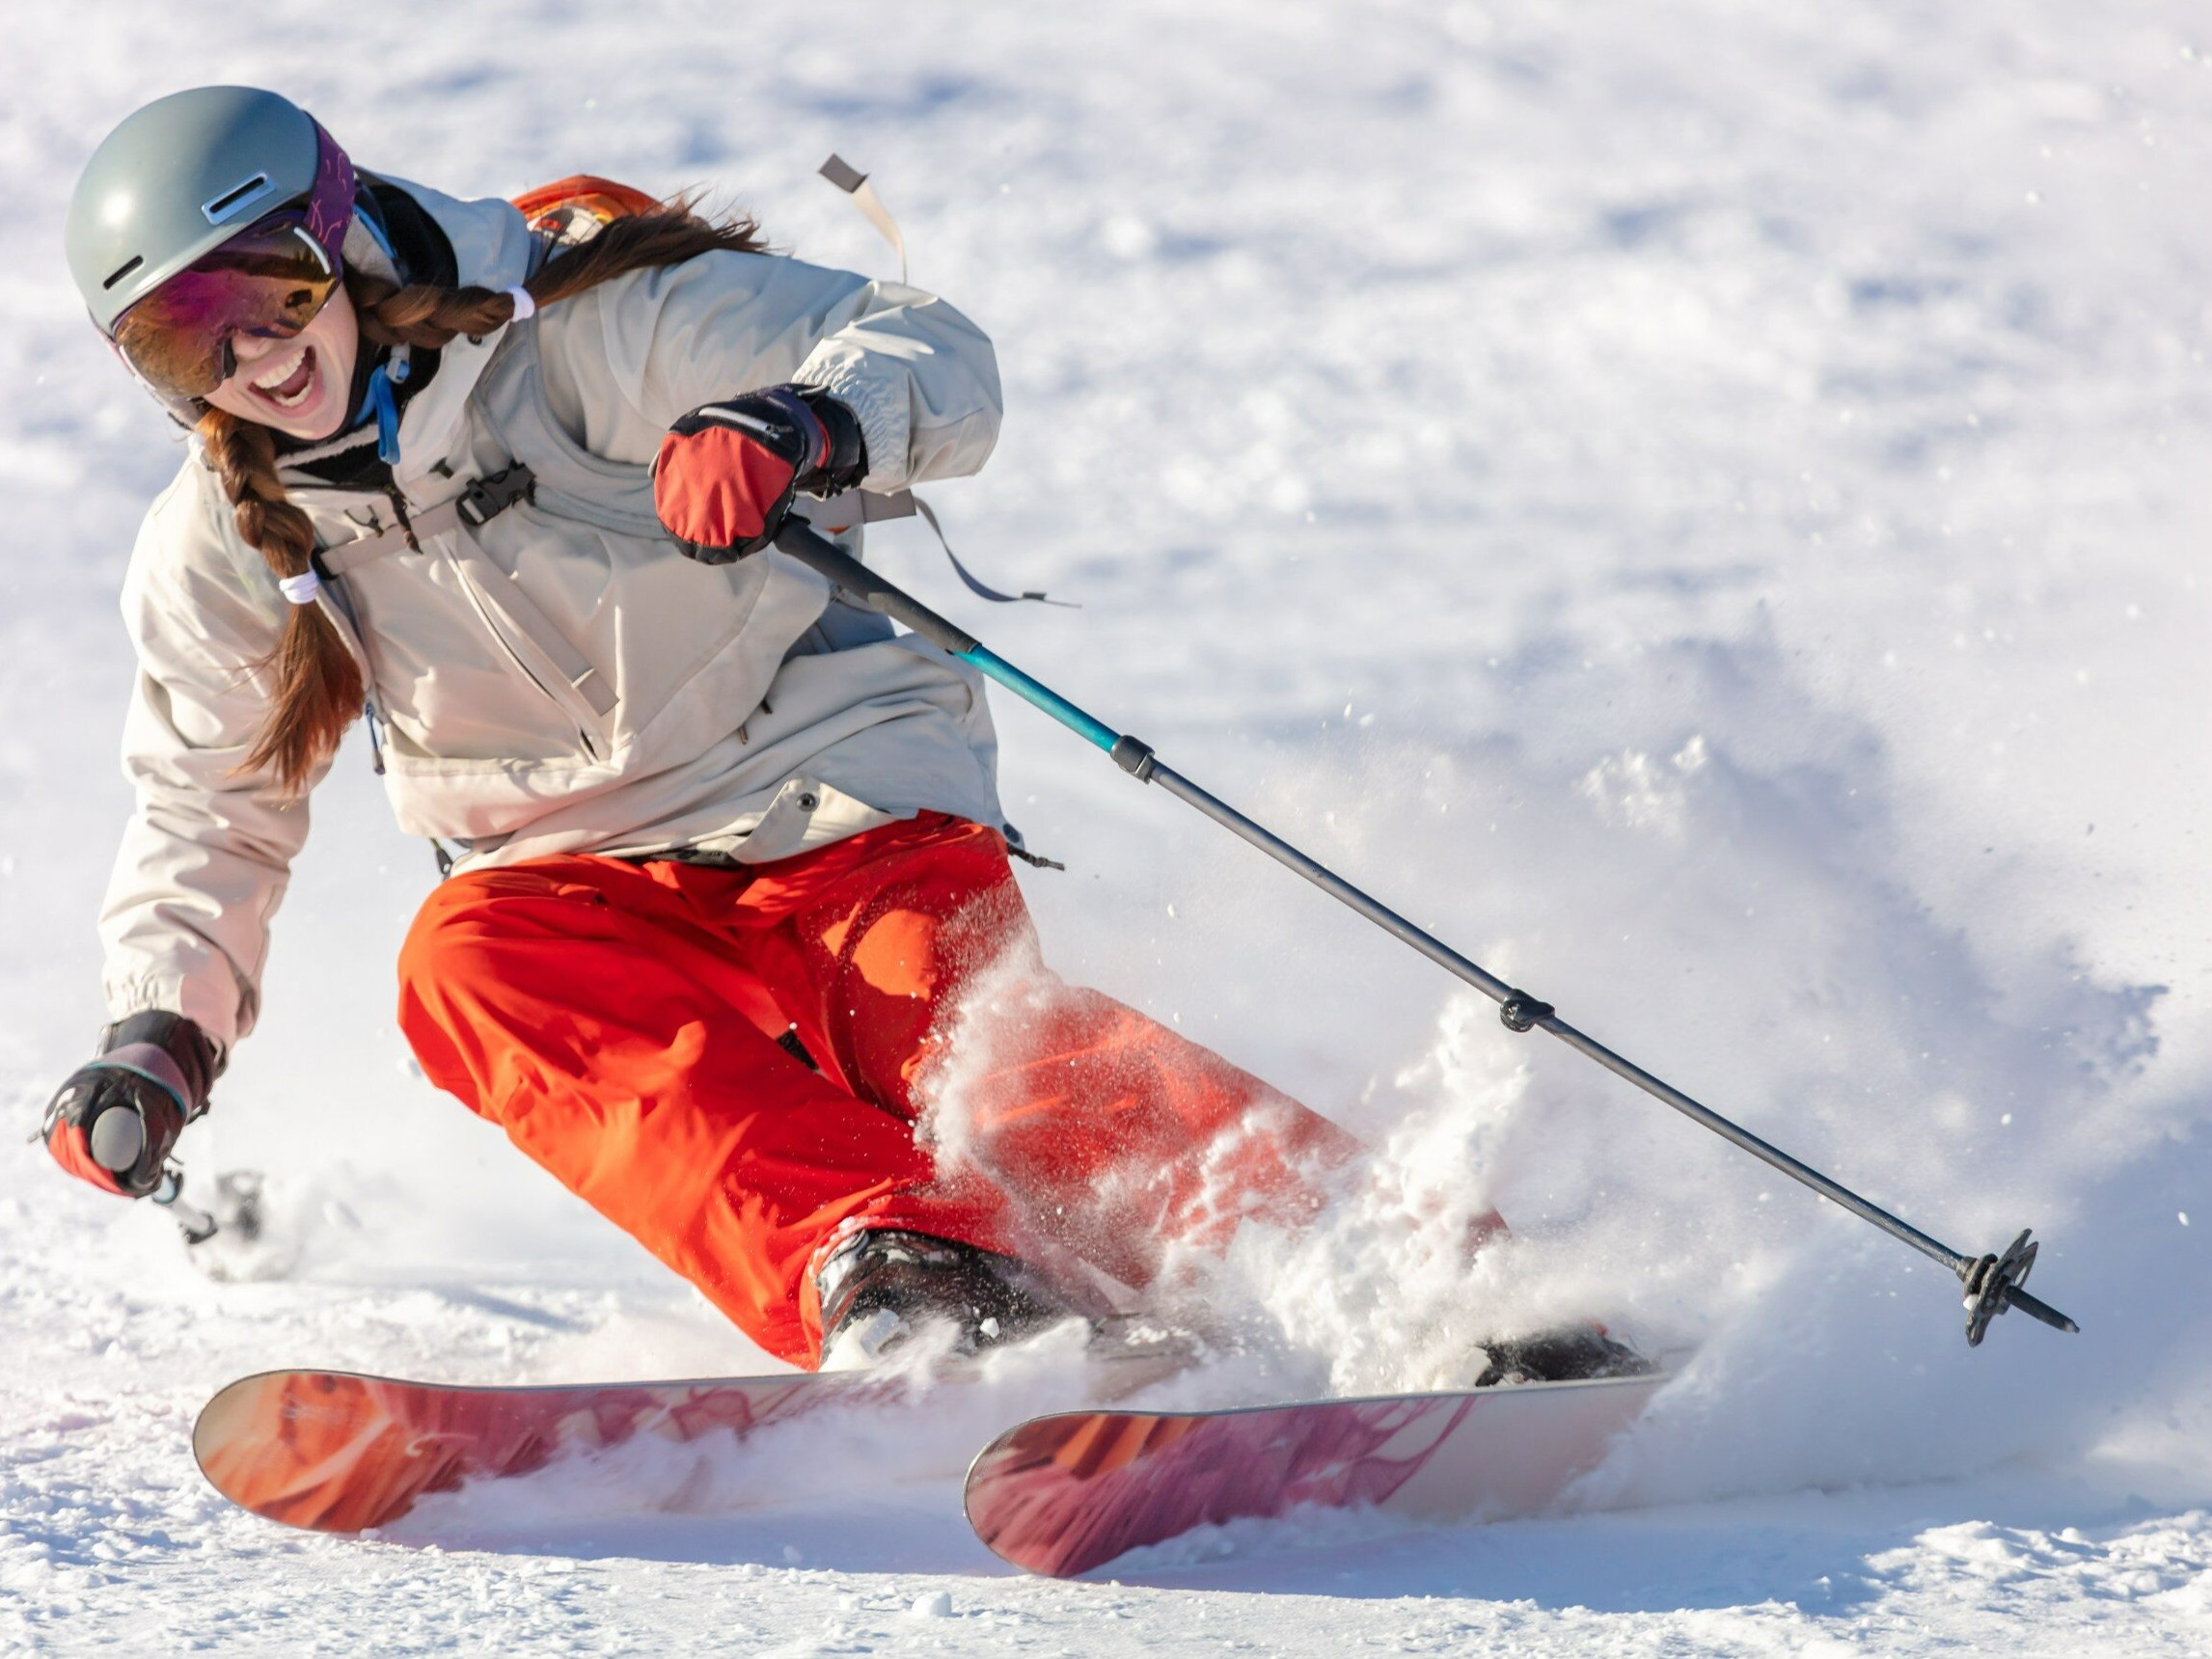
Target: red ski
1065,1493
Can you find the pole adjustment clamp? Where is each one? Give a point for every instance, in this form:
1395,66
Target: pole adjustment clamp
1133,755
1522,1012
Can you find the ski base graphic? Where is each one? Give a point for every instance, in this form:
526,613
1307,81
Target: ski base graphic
1062,1494
1058,1494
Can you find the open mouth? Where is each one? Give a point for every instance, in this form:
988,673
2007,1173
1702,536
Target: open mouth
287,382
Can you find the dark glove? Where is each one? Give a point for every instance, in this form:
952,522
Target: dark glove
116,1119
726,474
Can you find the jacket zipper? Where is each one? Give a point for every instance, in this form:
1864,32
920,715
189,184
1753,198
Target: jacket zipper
584,737
476,603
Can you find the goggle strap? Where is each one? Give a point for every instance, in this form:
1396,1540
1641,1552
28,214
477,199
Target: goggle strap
330,211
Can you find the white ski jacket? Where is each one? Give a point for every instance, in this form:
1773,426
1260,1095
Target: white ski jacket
560,678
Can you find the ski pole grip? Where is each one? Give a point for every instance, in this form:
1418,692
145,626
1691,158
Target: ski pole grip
865,589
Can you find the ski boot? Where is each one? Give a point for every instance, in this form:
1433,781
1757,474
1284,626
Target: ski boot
1571,1353
879,1287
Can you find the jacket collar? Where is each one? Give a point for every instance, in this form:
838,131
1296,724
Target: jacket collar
492,248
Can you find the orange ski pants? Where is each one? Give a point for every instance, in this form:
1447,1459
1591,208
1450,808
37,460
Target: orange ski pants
620,1020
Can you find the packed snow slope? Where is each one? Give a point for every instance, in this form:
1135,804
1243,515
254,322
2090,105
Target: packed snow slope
1704,505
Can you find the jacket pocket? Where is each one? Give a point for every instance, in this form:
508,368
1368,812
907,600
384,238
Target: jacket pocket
539,651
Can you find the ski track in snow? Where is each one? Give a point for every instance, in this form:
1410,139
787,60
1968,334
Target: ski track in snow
1701,506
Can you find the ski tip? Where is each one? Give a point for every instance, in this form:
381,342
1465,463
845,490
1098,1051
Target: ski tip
236,1412
316,1450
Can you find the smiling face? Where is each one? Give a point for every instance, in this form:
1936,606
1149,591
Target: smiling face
300,385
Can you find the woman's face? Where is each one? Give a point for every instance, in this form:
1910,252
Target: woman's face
299,386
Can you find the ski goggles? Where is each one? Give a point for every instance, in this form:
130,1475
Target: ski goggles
268,281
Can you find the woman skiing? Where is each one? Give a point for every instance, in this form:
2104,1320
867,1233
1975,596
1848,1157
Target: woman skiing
725,854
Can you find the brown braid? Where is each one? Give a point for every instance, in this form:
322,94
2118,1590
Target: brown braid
318,688
425,315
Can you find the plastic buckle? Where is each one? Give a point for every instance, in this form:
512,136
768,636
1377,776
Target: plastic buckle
489,497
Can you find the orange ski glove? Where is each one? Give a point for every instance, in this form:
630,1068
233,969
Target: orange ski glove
726,473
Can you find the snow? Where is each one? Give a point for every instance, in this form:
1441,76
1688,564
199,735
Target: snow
1701,506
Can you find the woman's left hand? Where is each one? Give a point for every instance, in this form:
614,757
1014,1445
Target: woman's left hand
114,1120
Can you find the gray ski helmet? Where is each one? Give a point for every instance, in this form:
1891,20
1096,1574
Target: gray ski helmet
178,179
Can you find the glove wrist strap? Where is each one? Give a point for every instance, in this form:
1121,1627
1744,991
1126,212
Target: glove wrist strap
156,1064
845,462
191,1055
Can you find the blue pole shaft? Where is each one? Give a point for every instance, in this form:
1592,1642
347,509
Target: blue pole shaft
997,668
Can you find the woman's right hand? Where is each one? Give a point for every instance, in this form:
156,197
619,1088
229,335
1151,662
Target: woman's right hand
726,473
116,1119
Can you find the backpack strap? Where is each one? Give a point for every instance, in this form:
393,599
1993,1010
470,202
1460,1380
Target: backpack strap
475,506
571,482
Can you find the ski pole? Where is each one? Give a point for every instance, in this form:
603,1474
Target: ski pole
194,1222
1993,1283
